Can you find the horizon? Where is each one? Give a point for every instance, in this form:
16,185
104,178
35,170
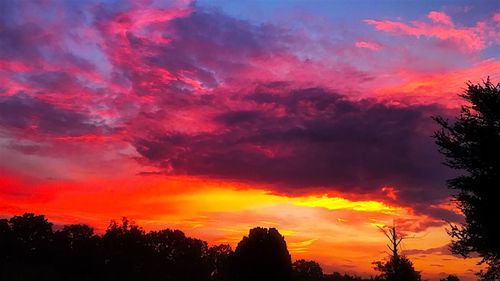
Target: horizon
214,117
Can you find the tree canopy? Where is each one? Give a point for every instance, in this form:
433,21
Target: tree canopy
262,255
31,250
397,268
307,271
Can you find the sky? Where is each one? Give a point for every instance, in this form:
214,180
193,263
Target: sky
214,117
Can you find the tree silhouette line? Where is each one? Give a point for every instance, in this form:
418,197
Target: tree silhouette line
32,250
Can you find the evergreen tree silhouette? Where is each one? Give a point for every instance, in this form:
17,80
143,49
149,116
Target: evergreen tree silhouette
471,145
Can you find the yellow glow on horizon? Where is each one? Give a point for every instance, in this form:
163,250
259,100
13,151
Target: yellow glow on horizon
220,199
336,203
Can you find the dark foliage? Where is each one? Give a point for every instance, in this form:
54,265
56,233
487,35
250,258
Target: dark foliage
31,250
263,255
77,248
307,271
450,278
219,258
346,277
27,248
398,268
471,145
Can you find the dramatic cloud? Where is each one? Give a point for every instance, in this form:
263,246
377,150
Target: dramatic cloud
303,138
178,113
196,92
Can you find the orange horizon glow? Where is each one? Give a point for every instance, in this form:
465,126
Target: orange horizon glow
340,233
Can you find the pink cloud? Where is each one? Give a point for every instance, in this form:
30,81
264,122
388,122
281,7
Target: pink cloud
368,45
437,87
440,17
469,39
496,17
135,20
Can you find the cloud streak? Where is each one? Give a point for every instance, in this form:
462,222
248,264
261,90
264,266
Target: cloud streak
442,27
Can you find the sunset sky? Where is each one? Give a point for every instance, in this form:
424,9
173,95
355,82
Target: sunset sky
213,117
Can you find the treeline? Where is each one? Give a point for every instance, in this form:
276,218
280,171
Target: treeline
30,249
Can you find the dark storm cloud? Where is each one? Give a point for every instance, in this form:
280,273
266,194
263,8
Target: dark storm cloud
321,140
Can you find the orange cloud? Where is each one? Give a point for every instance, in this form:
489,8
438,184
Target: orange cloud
391,192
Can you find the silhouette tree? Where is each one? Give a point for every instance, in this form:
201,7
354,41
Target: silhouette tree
450,278
178,257
218,258
79,252
30,250
125,252
471,144
398,267
263,255
6,242
31,230
27,248
303,270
